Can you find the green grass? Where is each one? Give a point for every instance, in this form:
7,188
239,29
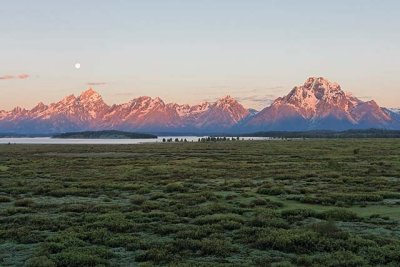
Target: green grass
260,203
392,211
3,168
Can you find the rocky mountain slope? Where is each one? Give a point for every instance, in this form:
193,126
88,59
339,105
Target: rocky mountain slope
89,112
320,104
317,104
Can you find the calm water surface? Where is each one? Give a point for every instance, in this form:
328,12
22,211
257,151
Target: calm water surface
48,140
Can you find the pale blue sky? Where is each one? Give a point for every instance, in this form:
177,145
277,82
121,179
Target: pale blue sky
188,51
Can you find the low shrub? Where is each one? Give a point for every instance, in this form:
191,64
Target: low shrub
293,215
41,261
217,247
4,199
340,259
88,256
175,187
137,199
339,215
157,255
24,202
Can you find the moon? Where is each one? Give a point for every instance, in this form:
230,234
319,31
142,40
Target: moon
77,66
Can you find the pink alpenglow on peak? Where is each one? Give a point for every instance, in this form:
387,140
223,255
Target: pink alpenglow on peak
321,104
317,104
89,111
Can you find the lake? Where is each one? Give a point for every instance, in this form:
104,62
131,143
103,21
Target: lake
62,141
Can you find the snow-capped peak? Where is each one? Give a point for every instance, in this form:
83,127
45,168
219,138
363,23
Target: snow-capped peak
227,98
18,109
148,102
316,103
39,107
322,88
68,99
90,95
316,82
318,97
226,102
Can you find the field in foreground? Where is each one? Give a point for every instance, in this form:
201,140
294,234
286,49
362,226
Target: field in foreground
237,203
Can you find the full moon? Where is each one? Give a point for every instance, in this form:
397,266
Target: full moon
77,66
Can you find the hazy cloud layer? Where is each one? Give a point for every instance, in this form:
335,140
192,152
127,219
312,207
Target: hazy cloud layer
10,77
365,98
96,83
267,99
253,101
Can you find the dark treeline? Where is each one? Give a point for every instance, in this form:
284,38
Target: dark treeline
16,135
368,133
177,140
202,139
110,134
216,139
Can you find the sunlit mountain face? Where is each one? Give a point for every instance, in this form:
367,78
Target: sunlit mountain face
89,112
317,104
321,104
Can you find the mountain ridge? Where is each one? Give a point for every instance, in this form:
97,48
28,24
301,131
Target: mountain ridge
320,104
317,104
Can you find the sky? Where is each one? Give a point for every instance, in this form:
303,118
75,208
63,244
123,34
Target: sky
188,51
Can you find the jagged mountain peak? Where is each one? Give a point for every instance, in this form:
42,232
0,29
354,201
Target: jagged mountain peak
314,83
204,105
18,109
39,107
321,104
68,99
89,92
317,104
372,103
147,102
41,104
318,97
318,88
252,111
227,102
147,99
90,95
230,110
143,98
226,98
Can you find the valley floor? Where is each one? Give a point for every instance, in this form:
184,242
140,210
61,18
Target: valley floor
260,203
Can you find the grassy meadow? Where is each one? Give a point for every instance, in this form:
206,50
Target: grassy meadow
229,203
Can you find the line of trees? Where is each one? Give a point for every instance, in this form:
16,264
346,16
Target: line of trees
170,140
216,139
203,139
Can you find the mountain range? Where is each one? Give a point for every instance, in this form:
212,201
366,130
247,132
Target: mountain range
317,104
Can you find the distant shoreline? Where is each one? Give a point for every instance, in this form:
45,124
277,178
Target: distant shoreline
111,134
322,134
313,134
